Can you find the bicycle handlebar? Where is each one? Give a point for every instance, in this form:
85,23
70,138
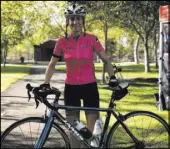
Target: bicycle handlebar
40,94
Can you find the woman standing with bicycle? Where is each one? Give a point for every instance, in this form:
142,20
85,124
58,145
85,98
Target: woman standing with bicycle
137,129
78,48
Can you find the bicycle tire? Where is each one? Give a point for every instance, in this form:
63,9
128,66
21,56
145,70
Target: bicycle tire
24,133
146,126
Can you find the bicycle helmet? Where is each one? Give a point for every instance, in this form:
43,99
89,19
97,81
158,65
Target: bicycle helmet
78,10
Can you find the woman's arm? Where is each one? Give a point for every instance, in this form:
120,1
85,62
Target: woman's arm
107,62
50,69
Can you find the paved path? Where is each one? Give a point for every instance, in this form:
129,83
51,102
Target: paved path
15,108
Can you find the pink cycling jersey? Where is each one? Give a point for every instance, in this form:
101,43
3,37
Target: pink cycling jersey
78,56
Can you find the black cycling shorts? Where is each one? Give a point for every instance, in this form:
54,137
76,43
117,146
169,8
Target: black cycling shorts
87,92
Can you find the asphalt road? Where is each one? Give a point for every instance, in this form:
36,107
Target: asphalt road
14,101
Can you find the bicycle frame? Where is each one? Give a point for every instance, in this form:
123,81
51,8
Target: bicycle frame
54,113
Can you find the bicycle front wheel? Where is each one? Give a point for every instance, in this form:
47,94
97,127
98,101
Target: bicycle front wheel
147,127
24,134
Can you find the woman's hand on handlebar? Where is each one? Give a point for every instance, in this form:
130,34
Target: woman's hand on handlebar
45,86
113,82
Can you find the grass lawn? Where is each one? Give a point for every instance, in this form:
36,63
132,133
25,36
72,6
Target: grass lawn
141,90
11,73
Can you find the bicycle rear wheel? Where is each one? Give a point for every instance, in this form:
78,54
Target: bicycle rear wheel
147,127
24,134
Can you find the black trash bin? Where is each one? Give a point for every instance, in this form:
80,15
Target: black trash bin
22,60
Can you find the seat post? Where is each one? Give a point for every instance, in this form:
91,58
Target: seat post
112,104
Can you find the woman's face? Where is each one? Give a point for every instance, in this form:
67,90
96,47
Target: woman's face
76,24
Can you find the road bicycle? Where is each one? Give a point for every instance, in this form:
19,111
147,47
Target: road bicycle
137,129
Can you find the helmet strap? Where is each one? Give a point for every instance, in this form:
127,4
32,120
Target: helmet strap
84,26
66,35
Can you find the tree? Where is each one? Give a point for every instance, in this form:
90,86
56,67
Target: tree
155,41
141,16
138,16
11,33
136,53
33,21
43,21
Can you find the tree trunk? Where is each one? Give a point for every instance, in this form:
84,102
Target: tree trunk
105,43
136,53
5,51
146,55
156,40
2,58
105,46
119,56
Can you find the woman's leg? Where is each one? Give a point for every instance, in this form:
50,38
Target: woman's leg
91,119
91,99
73,141
71,98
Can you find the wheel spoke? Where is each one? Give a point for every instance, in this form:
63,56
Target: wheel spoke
24,133
36,137
136,125
156,137
16,140
160,142
31,135
148,128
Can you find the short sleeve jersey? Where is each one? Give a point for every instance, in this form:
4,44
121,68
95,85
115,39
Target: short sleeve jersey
78,56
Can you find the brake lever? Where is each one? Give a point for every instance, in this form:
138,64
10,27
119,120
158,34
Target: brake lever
29,95
36,101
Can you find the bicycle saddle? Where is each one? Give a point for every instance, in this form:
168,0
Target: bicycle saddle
119,91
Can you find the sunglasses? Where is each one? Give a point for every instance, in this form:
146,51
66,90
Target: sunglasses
78,18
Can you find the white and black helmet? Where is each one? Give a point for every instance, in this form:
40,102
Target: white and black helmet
78,10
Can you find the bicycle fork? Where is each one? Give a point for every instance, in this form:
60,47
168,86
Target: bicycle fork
41,140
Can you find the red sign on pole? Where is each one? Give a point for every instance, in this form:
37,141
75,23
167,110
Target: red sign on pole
164,13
